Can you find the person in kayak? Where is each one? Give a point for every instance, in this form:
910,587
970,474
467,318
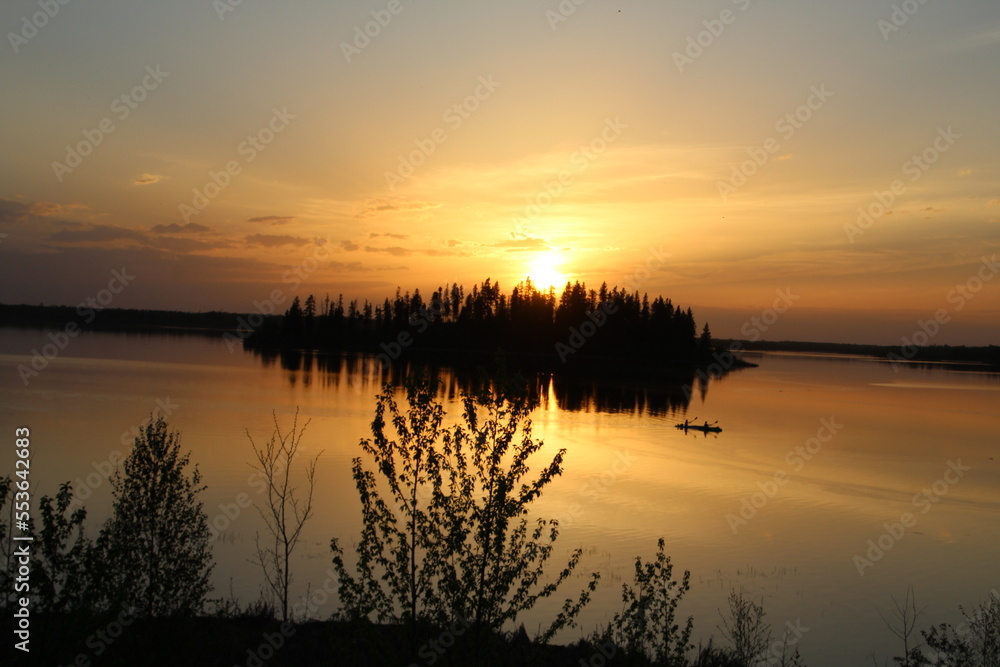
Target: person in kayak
706,427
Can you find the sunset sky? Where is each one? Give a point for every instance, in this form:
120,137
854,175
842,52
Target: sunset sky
467,140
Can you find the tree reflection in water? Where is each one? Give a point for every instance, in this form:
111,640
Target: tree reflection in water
622,389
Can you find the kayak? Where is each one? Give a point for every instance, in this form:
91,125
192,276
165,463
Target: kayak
703,429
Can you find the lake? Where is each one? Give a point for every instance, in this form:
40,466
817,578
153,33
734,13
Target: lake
836,483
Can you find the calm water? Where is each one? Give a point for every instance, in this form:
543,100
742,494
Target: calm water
870,441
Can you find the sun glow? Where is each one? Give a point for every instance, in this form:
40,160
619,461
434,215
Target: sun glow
544,272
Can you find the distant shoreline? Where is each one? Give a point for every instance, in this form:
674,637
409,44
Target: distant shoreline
218,323
985,355
127,320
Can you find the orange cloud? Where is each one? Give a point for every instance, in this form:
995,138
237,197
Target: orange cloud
374,206
273,241
273,219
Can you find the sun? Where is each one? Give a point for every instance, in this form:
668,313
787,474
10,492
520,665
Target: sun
544,272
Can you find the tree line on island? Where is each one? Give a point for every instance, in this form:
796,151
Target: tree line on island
605,323
354,319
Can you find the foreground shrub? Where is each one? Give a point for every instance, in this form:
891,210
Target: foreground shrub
155,548
975,642
445,535
647,626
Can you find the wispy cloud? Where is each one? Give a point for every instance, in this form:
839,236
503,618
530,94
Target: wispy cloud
12,211
147,179
98,234
986,37
395,251
399,251
173,238
174,228
374,206
522,243
273,219
274,241
390,235
187,245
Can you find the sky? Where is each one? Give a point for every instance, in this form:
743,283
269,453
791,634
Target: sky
829,168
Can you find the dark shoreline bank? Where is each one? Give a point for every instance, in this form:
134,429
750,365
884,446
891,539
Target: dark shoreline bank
987,356
219,323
